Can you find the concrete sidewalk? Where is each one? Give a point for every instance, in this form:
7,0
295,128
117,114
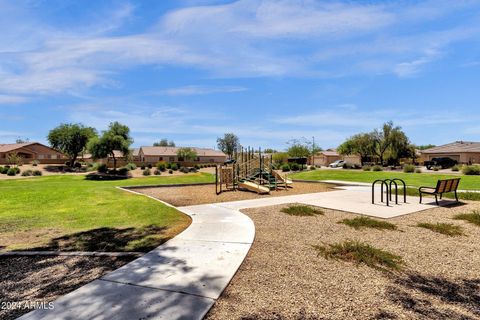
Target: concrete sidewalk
182,278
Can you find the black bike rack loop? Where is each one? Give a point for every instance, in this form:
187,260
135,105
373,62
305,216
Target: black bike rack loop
388,185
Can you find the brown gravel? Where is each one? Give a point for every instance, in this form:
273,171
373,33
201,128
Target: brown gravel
283,278
43,279
192,195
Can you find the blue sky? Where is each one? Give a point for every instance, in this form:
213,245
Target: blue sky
269,71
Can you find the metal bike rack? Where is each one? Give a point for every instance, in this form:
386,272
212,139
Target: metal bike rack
388,185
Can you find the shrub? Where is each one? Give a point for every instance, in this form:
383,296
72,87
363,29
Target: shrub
473,170
168,165
436,168
313,168
301,210
150,166
27,173
174,167
409,168
161,166
170,171
294,166
142,167
196,167
355,251
1,169
184,170
365,222
285,168
77,165
147,172
37,173
418,170
11,172
35,163
4,169
456,168
473,217
366,168
102,168
131,166
157,172
123,171
448,229
377,168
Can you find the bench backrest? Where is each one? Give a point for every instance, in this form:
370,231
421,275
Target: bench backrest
447,185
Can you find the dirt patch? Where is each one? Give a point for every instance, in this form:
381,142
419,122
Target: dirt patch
284,278
44,279
192,195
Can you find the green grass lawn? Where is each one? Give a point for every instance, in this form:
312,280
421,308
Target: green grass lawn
72,213
411,179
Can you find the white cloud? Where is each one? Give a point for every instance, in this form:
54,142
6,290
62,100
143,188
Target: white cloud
200,90
9,99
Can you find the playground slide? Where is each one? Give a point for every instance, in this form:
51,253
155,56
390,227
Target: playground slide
252,186
288,182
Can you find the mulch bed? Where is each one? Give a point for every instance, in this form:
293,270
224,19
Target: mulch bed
283,277
193,195
44,279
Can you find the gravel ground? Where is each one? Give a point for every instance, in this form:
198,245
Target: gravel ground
192,195
44,279
283,278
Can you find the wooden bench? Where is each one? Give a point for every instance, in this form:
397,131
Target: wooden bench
443,186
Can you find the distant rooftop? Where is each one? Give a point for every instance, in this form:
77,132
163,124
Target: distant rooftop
455,147
172,151
14,146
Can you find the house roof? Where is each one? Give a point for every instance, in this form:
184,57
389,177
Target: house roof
329,152
8,147
172,151
455,147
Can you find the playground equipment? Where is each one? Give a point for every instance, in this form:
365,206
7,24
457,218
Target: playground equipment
249,170
388,188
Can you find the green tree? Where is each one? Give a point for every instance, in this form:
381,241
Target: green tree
164,143
228,144
361,144
425,147
187,154
280,158
116,138
389,138
14,159
71,139
298,149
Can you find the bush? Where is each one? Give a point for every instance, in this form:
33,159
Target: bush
150,166
436,168
168,165
1,169
409,168
174,167
366,168
123,171
102,168
294,166
35,163
77,165
131,166
377,168
37,173
170,171
146,172
4,169
184,170
285,168
157,172
196,167
142,167
456,168
11,172
471,170
418,170
27,173
161,166
313,168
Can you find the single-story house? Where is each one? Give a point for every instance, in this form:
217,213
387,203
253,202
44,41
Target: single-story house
152,155
121,159
324,158
465,152
31,151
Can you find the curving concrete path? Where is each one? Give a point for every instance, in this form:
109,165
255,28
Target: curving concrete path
180,279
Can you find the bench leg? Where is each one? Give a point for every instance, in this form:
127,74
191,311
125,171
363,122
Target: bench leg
420,197
436,200
441,195
456,196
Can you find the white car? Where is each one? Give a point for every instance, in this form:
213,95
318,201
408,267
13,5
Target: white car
336,164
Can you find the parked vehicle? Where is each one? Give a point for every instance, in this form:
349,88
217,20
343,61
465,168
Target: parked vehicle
337,164
443,162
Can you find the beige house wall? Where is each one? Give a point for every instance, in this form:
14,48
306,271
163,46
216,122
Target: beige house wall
35,152
463,157
147,159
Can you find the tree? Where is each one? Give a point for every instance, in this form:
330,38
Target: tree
390,138
71,139
20,140
361,144
270,150
187,154
164,143
228,144
116,138
299,148
425,147
14,159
